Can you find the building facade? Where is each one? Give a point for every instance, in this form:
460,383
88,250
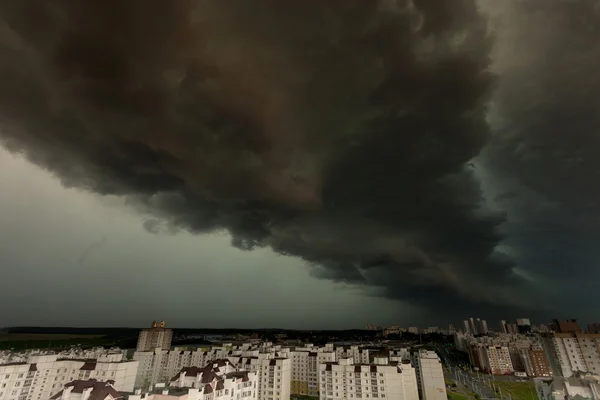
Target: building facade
570,353
41,377
344,380
156,337
430,375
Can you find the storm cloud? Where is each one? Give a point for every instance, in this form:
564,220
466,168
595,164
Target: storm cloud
348,133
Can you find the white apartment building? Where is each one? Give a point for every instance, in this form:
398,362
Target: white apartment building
305,369
41,377
430,375
218,380
344,380
156,337
90,389
275,376
359,355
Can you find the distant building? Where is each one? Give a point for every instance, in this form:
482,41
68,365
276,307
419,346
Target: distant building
523,325
581,387
90,389
512,329
430,375
483,327
472,326
372,327
491,359
467,326
156,337
345,380
413,329
573,352
593,327
503,326
568,326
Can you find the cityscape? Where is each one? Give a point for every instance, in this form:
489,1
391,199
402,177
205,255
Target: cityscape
518,361
299,199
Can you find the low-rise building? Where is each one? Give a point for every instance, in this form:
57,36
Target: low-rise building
41,377
89,389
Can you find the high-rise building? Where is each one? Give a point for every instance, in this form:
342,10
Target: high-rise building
305,369
482,327
472,326
156,337
467,326
345,380
430,375
503,326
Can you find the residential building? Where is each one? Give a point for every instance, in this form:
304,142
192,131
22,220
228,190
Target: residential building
593,327
275,379
472,326
523,325
343,380
467,326
413,329
305,369
218,380
156,337
89,389
430,375
503,326
491,359
532,360
569,353
568,326
482,326
577,387
41,377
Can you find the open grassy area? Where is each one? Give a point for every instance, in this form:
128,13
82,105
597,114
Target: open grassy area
517,390
456,396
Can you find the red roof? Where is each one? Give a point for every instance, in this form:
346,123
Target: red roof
100,390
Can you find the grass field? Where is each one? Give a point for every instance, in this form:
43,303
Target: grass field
517,390
456,396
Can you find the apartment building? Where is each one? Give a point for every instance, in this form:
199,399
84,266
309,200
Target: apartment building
305,369
41,377
491,359
89,389
358,354
275,379
158,336
218,380
344,379
430,375
572,352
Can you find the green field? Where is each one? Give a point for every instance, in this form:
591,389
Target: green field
517,390
456,396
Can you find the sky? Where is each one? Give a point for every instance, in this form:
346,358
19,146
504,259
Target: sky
299,164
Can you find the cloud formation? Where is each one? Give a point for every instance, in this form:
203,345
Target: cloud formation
342,132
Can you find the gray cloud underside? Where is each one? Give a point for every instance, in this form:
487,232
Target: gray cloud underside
342,132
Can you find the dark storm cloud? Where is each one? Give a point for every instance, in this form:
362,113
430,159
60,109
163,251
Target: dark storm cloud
546,142
340,131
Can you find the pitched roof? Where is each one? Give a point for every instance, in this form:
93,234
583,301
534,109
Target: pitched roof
100,390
